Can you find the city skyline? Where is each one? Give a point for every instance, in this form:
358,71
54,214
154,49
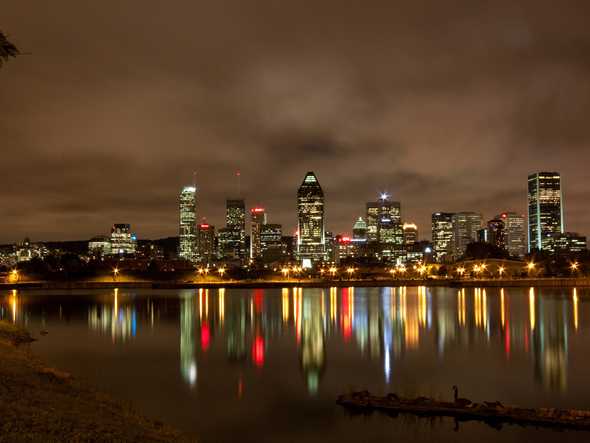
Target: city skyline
446,108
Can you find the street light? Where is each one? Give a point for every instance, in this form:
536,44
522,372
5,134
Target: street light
221,272
461,271
115,273
285,272
14,275
333,270
574,267
350,272
530,266
501,270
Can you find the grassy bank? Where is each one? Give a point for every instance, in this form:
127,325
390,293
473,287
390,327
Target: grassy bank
42,404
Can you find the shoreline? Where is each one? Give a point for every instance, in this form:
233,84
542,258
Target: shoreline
40,403
566,282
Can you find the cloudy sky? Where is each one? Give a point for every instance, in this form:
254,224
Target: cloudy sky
448,105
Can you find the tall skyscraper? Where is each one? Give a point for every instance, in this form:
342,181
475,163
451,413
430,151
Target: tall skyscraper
410,234
233,237
257,220
187,227
373,210
205,242
465,227
390,231
310,212
514,236
545,209
442,235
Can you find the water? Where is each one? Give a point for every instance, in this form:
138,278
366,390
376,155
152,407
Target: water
267,365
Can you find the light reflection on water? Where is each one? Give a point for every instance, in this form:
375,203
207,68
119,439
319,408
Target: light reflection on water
398,328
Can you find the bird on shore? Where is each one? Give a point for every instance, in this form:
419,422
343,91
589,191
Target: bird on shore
461,402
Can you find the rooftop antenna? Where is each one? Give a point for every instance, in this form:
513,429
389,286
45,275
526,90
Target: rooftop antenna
195,179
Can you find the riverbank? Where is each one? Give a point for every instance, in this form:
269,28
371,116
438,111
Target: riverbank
582,282
42,404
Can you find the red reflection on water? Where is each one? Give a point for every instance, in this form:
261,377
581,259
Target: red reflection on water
205,336
258,351
258,300
345,315
507,341
526,340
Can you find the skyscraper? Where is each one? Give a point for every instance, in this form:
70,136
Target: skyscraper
465,227
187,226
272,246
233,238
545,209
410,233
442,235
310,212
390,231
205,242
257,220
514,236
373,209
496,233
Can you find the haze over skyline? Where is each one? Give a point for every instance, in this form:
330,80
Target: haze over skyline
445,107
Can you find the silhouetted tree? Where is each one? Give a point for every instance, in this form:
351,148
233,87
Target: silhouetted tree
7,49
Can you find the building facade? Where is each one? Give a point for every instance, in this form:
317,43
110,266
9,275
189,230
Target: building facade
206,242
123,241
272,247
187,248
442,236
545,208
514,233
311,240
257,221
410,234
232,238
390,230
465,227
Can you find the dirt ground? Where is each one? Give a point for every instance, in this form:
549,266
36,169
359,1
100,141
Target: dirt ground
41,404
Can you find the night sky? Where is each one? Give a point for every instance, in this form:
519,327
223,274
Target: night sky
447,105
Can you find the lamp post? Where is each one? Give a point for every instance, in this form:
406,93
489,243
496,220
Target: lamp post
350,271
574,267
115,274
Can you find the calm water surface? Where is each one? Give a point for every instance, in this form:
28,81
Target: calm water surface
267,365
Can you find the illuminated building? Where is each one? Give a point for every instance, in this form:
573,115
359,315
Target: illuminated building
310,212
359,236
495,233
205,242
344,248
123,242
232,238
313,347
99,246
571,242
330,247
465,227
545,209
373,210
258,219
442,235
514,233
187,249
410,233
390,231
272,246
26,251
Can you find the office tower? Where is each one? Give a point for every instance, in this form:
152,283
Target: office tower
310,213
360,230
373,210
545,209
410,233
272,246
442,235
514,236
330,246
123,242
206,242
568,242
232,238
257,219
187,225
496,234
344,248
465,227
390,231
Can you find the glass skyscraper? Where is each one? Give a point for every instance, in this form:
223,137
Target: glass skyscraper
187,227
442,235
258,220
514,233
465,227
232,239
545,209
310,212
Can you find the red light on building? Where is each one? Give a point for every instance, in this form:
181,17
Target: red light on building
203,226
257,210
258,351
345,240
504,215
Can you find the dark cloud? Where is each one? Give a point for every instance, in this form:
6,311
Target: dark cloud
447,105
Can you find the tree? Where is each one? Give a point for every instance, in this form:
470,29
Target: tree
7,49
481,250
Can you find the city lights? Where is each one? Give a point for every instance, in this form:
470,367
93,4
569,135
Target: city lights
221,271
